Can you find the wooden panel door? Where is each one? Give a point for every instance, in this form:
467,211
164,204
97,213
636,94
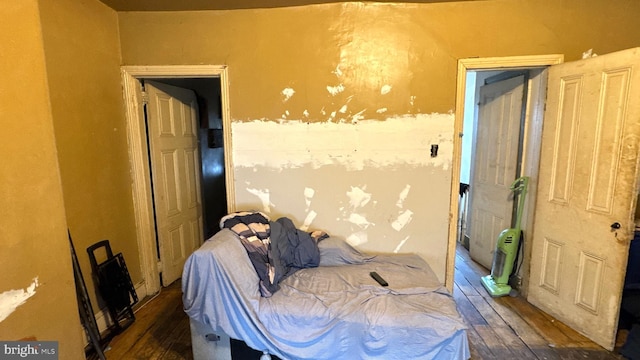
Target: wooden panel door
494,167
175,168
588,183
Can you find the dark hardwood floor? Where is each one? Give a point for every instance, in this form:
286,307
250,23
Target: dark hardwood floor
499,328
160,331
509,327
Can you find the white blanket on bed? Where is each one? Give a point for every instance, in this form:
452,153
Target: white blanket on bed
328,312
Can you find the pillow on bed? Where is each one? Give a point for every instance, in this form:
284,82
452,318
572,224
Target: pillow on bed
335,252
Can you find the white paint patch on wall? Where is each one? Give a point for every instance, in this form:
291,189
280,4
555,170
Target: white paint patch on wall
264,197
11,299
358,116
335,90
359,220
357,238
402,140
308,195
381,110
287,93
385,89
358,197
397,249
403,196
402,220
337,71
308,220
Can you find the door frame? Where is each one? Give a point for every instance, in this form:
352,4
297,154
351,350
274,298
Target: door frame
139,158
480,64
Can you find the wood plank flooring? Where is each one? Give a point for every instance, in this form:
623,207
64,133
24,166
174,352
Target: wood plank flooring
509,327
499,328
160,331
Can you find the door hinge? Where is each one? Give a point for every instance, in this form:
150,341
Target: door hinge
145,97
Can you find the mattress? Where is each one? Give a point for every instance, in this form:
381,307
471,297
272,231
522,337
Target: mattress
327,312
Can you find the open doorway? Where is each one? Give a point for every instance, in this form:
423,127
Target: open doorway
493,150
185,144
211,147
466,101
139,156
587,79
472,75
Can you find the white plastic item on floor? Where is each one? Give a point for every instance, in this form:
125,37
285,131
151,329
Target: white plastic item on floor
207,344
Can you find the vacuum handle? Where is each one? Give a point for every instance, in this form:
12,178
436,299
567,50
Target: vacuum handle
520,185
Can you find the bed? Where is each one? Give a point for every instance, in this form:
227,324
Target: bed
333,311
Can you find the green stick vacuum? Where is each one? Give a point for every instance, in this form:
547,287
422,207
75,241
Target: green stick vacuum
506,248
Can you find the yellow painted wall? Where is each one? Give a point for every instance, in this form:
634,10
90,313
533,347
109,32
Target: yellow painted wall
82,55
413,46
33,230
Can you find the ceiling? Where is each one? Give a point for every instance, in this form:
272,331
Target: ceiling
173,5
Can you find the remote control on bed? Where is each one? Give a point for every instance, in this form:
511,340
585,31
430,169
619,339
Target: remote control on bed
378,278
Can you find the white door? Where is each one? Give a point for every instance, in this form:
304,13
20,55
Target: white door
588,184
175,169
495,165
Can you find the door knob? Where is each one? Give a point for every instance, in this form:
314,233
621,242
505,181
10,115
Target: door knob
615,226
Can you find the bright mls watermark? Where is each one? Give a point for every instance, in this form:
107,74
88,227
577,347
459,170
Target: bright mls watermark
32,350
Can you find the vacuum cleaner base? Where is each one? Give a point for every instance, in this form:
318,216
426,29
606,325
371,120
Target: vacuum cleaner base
494,289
